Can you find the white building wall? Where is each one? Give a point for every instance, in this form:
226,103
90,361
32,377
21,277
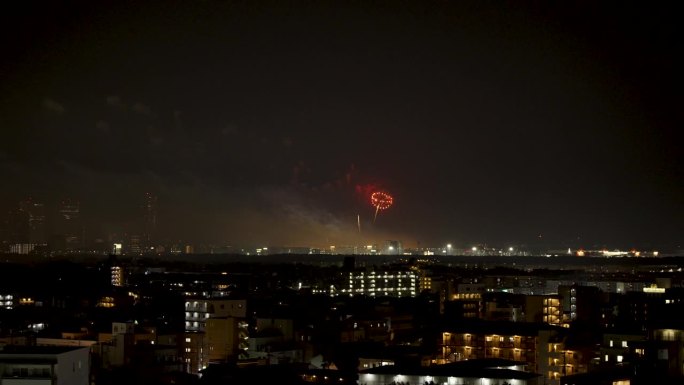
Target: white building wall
73,368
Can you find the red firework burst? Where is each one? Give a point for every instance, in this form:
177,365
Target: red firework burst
381,201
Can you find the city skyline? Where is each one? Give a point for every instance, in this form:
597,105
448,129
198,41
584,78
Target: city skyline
271,124
61,226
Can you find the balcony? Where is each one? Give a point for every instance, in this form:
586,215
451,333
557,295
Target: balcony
22,375
455,341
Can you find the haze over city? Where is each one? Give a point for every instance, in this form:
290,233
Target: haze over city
270,123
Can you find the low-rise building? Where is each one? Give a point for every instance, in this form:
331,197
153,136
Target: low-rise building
44,365
486,372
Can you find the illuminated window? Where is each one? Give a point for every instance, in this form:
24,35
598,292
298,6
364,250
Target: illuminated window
619,358
624,344
668,335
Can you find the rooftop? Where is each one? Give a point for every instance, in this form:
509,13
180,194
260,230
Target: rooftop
36,350
471,368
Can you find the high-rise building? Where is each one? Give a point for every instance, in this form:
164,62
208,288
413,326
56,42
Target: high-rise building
35,214
24,228
17,226
117,275
544,308
579,304
215,331
150,220
134,244
393,247
68,224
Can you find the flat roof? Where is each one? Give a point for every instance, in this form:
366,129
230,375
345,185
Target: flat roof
39,350
471,369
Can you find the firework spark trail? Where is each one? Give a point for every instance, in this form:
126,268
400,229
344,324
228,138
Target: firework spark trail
381,201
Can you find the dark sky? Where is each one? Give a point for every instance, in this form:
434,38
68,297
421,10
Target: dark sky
265,123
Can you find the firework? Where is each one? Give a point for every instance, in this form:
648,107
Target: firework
381,201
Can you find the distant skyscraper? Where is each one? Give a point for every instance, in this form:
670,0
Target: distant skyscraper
24,228
134,246
69,223
17,226
150,218
34,213
393,247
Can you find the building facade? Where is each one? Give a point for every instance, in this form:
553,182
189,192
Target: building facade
44,365
385,283
216,330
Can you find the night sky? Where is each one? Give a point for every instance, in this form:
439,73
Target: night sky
267,123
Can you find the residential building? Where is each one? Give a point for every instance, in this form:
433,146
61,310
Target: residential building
216,330
44,365
392,283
